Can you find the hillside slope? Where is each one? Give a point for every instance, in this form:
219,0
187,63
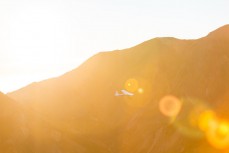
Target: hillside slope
83,102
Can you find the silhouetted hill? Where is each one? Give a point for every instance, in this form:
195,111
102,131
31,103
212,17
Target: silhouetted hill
83,103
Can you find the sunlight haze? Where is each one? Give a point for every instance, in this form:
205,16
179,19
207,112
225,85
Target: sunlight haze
46,38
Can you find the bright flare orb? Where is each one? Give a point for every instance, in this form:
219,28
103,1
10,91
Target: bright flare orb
140,90
218,136
131,85
217,131
223,130
170,106
207,120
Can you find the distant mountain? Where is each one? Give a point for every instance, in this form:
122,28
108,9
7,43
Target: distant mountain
83,101
22,130
26,131
13,127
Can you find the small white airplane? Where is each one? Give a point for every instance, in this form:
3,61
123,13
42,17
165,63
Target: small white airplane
123,93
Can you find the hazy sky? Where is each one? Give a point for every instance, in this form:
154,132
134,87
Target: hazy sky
46,38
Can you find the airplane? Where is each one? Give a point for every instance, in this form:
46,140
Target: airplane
123,93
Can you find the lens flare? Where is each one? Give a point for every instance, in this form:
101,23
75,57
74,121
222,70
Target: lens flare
223,130
170,106
218,136
216,130
207,120
195,110
131,85
140,90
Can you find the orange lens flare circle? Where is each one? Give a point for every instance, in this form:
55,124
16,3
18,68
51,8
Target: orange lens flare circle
170,106
131,85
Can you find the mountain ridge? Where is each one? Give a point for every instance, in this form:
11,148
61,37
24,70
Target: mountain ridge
218,31
83,100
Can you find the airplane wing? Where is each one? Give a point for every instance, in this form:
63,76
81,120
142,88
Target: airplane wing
118,94
127,93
